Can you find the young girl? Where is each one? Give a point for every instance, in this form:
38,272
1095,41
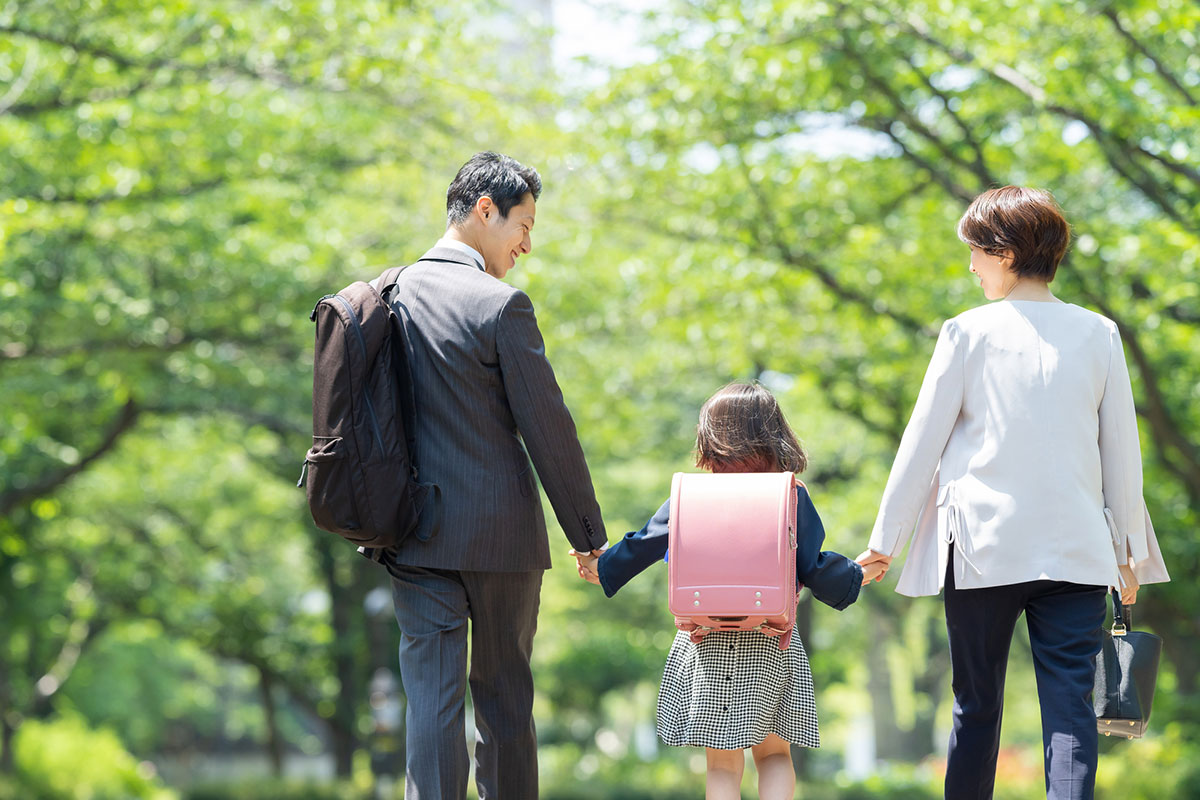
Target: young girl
736,689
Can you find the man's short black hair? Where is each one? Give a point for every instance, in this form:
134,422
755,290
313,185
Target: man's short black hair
501,178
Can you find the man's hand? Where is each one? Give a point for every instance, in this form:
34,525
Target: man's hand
586,563
1129,593
875,565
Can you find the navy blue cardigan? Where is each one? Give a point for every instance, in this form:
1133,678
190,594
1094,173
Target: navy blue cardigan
833,579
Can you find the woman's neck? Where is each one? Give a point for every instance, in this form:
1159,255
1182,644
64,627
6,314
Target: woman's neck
1029,289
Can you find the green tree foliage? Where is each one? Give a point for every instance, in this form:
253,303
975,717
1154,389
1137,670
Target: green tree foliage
181,183
770,192
62,760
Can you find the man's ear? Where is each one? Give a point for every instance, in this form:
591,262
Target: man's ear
485,208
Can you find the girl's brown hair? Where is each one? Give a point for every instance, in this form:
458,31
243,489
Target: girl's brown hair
742,429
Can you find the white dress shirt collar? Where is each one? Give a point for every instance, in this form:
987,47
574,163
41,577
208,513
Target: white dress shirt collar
454,244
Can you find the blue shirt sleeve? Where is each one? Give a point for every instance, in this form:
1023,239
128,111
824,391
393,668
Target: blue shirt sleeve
832,578
634,552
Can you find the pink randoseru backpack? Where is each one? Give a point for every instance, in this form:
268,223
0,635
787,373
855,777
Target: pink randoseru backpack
731,553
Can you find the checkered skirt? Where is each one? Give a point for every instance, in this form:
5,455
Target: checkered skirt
733,689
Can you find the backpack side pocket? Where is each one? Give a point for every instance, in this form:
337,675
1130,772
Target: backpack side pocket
329,489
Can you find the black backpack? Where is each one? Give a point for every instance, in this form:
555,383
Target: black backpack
362,480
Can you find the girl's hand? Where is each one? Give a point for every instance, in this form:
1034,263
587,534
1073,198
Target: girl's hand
873,572
876,562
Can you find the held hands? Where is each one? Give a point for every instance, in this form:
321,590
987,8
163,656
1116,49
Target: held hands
586,562
873,572
875,565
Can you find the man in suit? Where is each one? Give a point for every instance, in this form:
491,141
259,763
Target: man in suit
482,387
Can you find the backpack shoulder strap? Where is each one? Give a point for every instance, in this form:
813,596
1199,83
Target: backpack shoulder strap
387,281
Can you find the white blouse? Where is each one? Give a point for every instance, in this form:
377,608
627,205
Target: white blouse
1022,452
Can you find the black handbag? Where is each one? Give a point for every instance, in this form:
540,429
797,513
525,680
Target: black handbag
1126,670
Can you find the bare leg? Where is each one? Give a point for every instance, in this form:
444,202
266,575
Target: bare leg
724,774
776,775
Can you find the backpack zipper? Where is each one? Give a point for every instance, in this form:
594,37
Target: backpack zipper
366,394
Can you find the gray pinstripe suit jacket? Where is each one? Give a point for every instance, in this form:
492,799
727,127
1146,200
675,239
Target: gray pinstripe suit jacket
480,377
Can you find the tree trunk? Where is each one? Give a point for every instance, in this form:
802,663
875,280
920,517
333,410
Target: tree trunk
7,731
274,740
1180,645
889,739
892,742
932,683
342,607
800,755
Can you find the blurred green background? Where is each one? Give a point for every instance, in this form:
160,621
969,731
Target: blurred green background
733,190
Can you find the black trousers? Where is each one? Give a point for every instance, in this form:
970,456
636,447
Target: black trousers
1065,634
432,608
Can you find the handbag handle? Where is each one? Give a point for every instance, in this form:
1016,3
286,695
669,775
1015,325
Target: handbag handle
1122,615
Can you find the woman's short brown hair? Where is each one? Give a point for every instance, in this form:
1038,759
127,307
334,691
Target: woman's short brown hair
1025,221
742,429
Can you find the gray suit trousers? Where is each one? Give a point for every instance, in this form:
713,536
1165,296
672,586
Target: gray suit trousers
432,608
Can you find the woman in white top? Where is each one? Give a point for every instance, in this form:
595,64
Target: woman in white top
1021,474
